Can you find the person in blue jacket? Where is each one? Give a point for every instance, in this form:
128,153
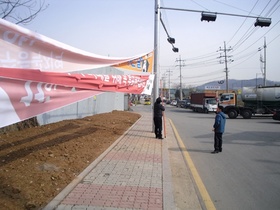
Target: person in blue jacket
219,129
158,109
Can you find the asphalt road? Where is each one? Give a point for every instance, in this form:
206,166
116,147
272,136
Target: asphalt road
246,175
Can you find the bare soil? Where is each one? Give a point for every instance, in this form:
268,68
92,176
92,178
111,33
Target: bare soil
37,163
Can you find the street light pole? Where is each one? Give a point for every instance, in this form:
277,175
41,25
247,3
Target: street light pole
205,16
155,69
155,93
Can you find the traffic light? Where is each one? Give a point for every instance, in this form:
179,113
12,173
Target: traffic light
208,16
171,40
175,49
263,22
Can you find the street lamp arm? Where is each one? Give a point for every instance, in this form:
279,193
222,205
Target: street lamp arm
218,13
164,27
169,39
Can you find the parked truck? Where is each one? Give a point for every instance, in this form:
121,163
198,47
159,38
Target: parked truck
203,102
256,100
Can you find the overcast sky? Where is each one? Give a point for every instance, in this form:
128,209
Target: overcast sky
120,28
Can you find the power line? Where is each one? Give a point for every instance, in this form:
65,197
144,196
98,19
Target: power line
231,6
206,60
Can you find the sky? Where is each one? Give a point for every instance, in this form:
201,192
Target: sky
126,28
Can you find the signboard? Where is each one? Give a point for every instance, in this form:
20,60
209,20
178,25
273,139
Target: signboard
212,87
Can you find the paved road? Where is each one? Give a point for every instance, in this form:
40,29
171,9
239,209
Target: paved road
246,175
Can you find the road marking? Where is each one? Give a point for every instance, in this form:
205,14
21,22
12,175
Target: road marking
203,192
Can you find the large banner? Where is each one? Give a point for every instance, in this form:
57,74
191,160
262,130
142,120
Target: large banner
35,74
141,64
22,100
22,48
25,93
137,84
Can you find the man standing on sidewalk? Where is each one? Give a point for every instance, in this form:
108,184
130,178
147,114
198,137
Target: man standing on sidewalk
158,109
219,128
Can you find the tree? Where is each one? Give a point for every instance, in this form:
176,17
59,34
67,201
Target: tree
177,94
21,11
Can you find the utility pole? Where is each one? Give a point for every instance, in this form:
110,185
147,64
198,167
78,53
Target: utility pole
180,65
163,85
264,63
156,52
169,71
225,50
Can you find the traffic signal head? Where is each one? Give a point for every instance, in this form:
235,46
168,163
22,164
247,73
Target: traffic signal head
263,22
175,49
171,40
208,16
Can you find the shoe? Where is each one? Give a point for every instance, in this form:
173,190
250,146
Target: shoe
220,150
215,152
160,137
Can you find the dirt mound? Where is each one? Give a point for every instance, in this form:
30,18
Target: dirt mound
37,163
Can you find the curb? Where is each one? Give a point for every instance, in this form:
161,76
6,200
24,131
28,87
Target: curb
56,201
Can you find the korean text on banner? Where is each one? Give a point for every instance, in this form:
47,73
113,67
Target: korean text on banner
22,48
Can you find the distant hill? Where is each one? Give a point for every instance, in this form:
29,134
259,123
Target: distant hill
237,84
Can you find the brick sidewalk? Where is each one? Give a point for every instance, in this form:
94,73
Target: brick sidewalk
133,173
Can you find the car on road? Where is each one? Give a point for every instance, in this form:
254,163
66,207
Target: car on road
180,103
147,101
174,102
276,115
187,104
183,103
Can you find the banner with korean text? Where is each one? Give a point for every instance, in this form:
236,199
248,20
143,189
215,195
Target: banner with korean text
141,64
35,74
22,48
26,93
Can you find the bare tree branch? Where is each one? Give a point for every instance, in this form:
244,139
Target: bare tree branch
21,11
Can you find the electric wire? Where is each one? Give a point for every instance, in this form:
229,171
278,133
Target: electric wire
268,13
248,33
232,6
199,5
262,36
241,25
275,9
205,59
265,8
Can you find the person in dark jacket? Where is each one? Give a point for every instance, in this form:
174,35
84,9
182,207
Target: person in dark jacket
158,109
219,129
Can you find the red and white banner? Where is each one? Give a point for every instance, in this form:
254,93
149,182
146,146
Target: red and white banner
22,48
25,93
22,100
35,74
137,84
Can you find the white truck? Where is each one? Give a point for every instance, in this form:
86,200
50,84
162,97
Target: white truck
203,102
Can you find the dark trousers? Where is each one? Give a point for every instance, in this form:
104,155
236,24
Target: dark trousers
158,126
218,142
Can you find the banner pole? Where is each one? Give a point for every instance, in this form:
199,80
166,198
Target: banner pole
164,126
163,116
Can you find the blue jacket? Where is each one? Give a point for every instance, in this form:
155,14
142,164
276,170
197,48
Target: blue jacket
220,122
